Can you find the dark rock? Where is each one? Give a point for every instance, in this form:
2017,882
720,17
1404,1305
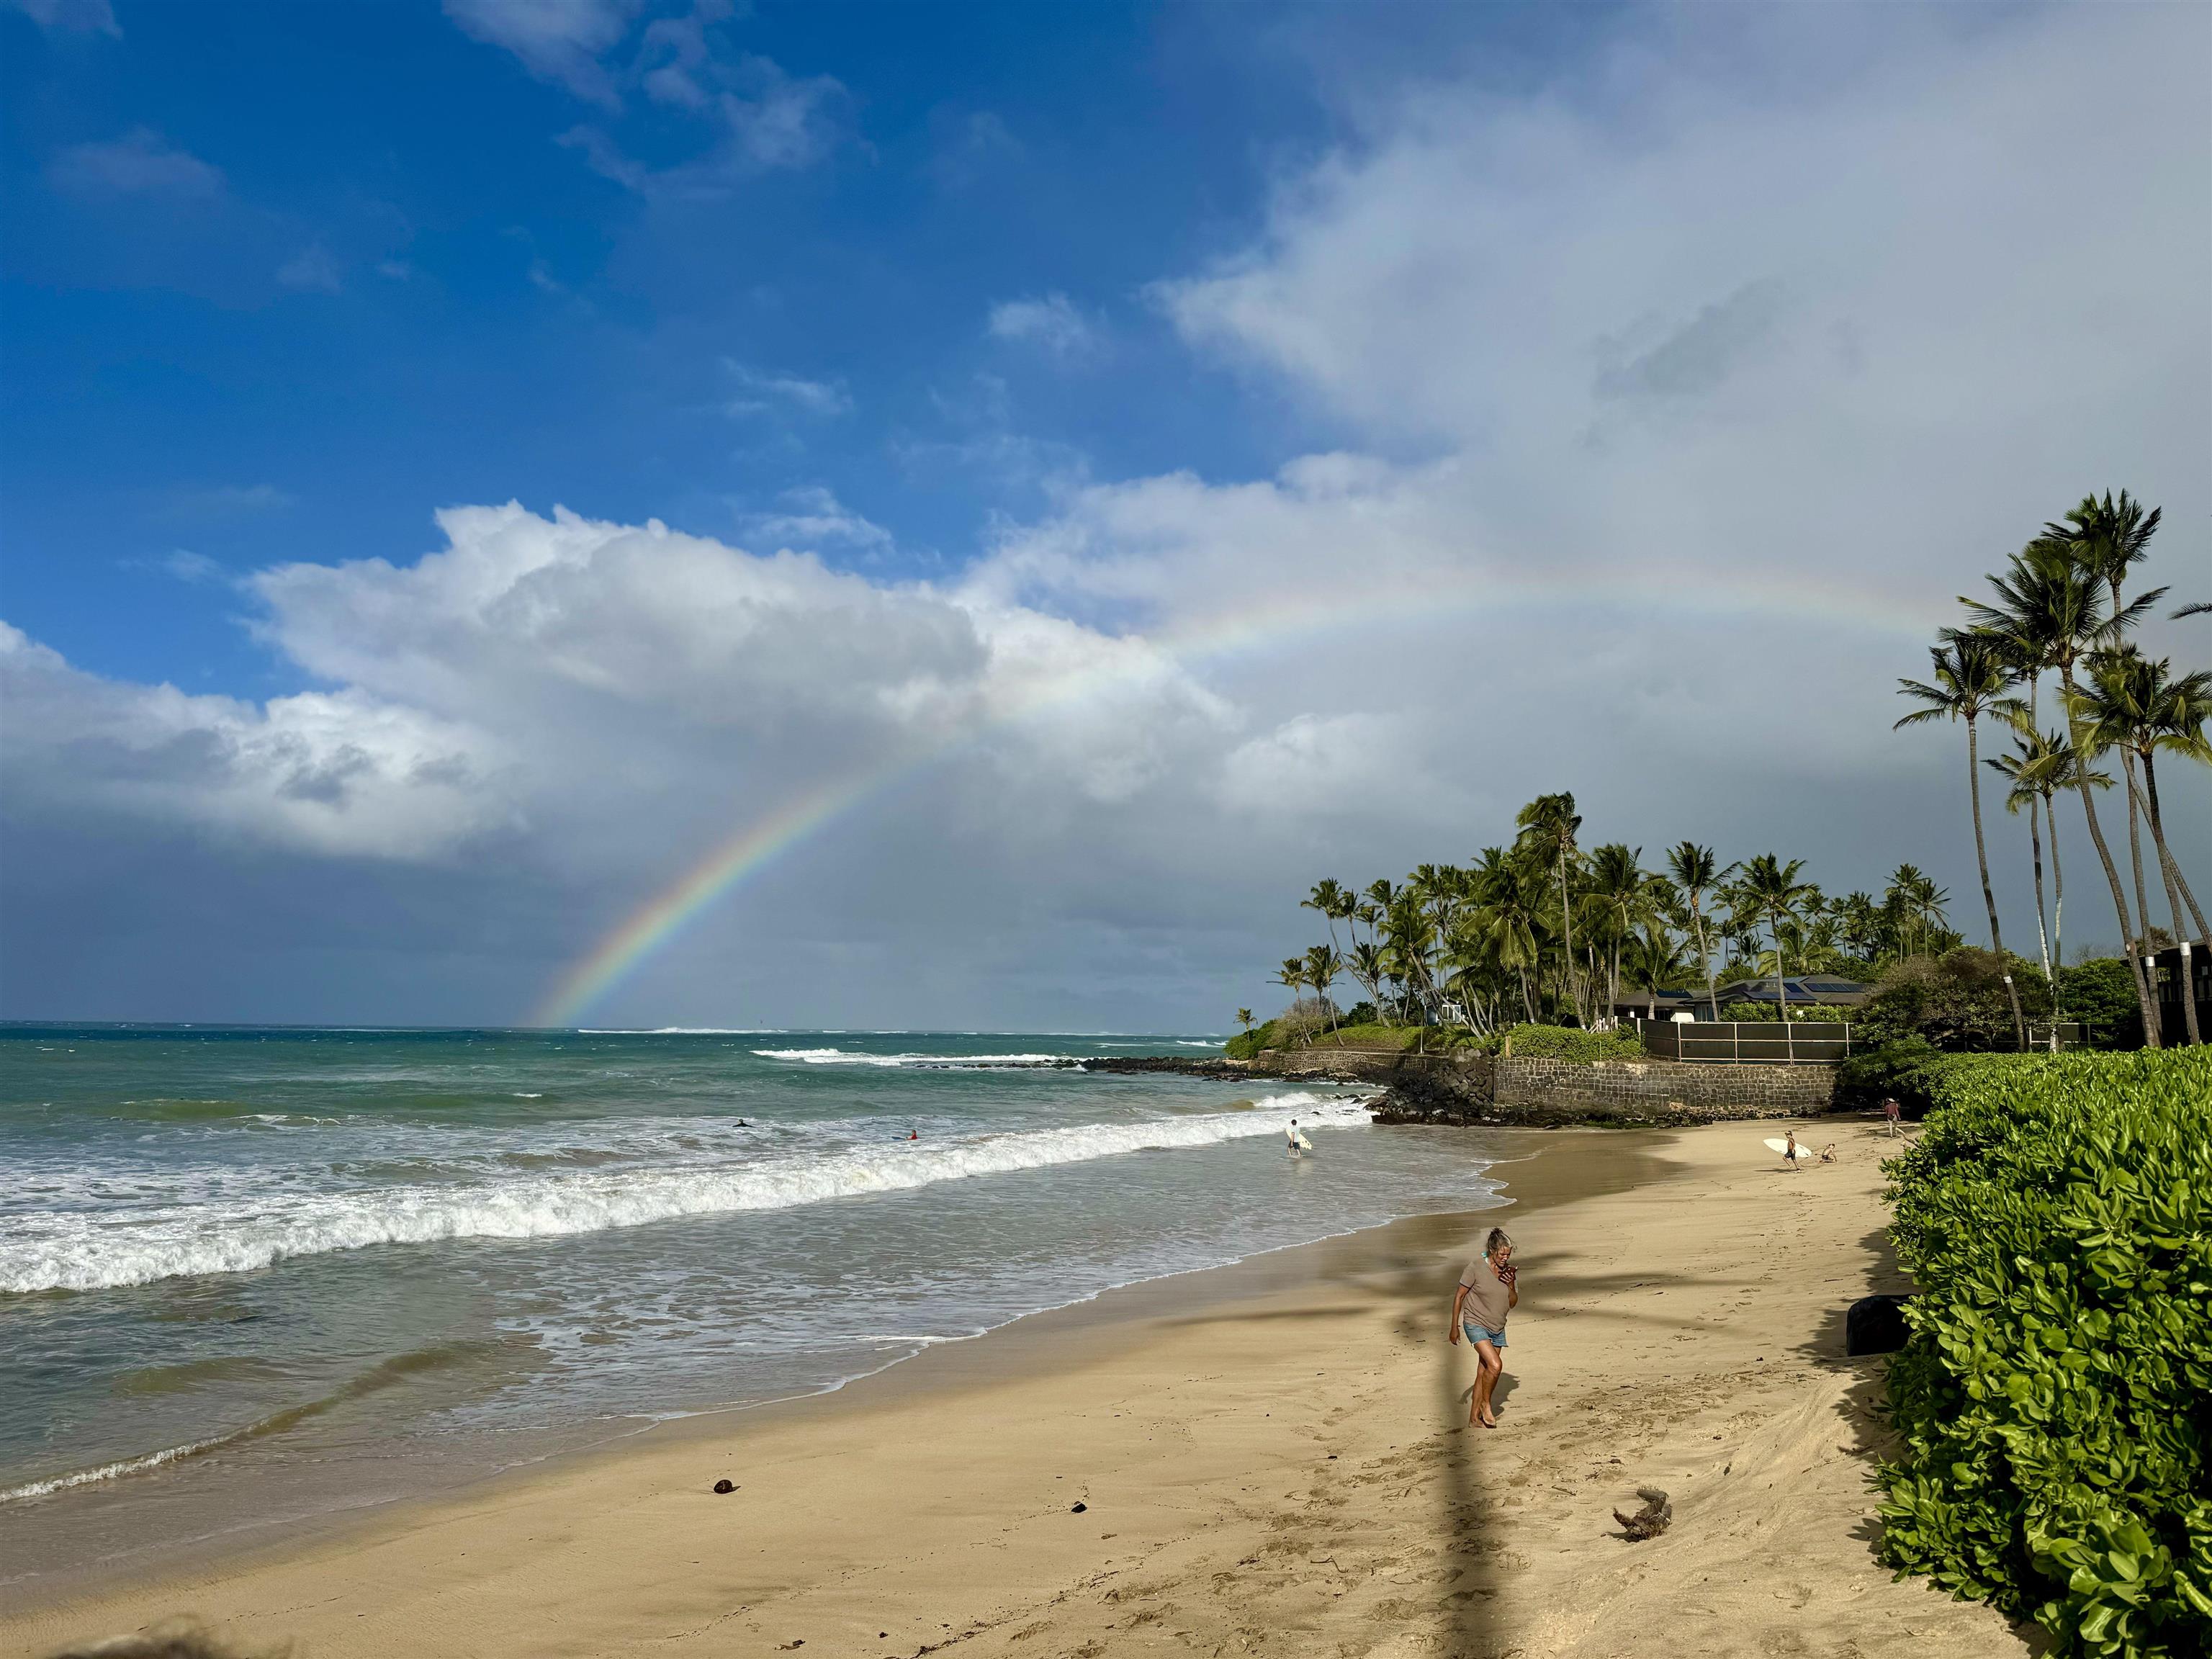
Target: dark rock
725,1486
1876,1324
1078,1508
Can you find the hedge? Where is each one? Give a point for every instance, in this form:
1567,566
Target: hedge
1571,1042
2054,1402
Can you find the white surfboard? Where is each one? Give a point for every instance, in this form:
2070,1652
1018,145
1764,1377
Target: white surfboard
1304,1146
1776,1144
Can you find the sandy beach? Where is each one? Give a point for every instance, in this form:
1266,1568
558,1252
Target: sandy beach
1269,1458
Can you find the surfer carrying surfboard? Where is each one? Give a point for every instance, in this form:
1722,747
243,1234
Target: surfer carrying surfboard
1295,1141
1487,1292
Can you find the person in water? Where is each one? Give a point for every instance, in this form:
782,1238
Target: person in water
1291,1139
1487,1292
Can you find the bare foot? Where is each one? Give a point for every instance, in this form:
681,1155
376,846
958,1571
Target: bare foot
1487,1420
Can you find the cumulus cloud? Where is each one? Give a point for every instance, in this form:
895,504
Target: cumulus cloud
335,774
139,163
1052,324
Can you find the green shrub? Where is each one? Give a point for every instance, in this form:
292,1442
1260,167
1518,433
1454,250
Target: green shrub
1957,1000
2101,995
1909,1070
1751,1013
1570,1042
1246,1044
2055,1400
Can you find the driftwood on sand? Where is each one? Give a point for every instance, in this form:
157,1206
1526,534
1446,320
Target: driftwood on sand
1654,1518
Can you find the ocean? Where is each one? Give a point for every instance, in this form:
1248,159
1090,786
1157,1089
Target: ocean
251,1278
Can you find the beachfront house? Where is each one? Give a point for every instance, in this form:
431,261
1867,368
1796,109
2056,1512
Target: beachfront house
1834,996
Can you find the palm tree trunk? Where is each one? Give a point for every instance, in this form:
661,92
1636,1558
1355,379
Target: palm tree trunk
1567,934
2058,913
1781,992
2187,985
2165,853
1706,962
2042,934
2144,1002
1988,898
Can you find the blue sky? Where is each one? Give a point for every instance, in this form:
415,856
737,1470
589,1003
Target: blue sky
1190,449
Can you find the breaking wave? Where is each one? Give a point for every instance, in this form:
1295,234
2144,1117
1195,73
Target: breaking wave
920,1062
77,1250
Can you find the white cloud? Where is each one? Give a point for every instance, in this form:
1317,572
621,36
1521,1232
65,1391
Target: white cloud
814,517
312,268
1053,324
557,41
333,773
71,16
139,163
187,566
762,391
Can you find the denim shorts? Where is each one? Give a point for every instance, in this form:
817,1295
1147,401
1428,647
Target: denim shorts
1484,1333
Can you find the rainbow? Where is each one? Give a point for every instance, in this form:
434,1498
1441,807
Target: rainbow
759,842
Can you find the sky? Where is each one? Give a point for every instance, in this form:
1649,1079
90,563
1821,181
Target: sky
664,512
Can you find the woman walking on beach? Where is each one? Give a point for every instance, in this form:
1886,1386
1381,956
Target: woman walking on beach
1486,1294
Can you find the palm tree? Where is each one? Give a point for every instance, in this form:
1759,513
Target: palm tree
1323,967
1293,975
1696,874
2177,718
1244,1019
1654,958
1329,898
1547,826
2062,600
1969,675
1620,897
1771,893
2129,703
1368,968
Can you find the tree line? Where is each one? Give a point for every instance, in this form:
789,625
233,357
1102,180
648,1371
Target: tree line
2058,615
1546,931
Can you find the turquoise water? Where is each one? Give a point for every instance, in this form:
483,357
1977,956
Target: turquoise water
248,1275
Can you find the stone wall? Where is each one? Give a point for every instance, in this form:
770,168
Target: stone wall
1661,1090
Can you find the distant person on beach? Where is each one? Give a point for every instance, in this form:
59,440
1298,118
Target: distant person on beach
1889,1115
1486,1294
1291,1138
1793,1153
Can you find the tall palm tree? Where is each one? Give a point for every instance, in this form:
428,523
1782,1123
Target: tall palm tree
1294,976
1324,969
2041,766
2178,716
1366,964
1969,677
2063,599
1548,825
1506,899
2129,703
1244,1019
1696,873
1654,959
1619,898
1771,893
1329,898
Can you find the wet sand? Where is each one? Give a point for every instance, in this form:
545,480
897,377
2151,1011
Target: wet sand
1270,1458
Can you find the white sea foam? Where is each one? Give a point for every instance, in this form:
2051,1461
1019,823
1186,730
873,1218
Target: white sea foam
940,1062
112,1471
246,1229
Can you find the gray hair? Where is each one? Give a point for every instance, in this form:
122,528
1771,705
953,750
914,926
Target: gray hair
1498,1236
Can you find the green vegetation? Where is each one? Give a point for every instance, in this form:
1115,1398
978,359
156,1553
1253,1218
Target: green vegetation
1567,1043
1543,932
2055,1401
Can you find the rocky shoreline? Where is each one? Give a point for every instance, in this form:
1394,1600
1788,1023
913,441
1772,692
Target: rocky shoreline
1471,1089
